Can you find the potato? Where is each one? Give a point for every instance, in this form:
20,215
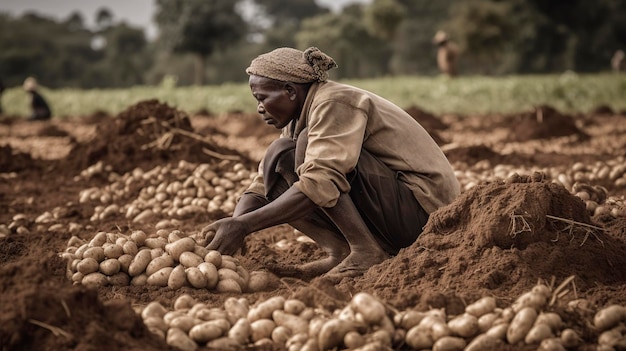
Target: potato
196,278
294,306
369,307
536,300
608,317
380,336
94,279
160,277
155,243
99,239
113,250
228,286
214,257
332,333
96,253
184,301
484,342
178,278
295,323
189,259
261,329
281,334
498,331
130,248
353,339
210,271
521,324
155,322
139,264
184,323
139,280
551,319
179,339
139,237
465,325
204,332
420,337
110,266
570,339
119,279
483,306
449,343
224,344
158,263
125,261
486,321
264,309
538,333
408,319
262,281
552,344
152,309
241,331
87,265
176,248
235,308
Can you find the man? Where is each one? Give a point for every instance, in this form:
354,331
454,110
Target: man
351,170
447,54
39,106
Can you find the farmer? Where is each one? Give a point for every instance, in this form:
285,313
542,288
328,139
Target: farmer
351,170
447,54
39,106
617,61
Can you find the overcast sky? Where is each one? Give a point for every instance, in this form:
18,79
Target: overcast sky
135,12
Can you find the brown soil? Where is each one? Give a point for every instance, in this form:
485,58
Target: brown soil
498,238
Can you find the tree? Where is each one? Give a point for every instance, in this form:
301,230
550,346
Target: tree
383,18
199,27
104,18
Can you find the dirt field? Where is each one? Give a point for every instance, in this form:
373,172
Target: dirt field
521,220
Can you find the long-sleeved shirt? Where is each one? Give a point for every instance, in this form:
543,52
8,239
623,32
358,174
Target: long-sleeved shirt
342,120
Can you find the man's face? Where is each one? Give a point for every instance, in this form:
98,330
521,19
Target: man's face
276,101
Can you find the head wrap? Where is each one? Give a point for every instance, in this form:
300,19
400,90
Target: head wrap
292,65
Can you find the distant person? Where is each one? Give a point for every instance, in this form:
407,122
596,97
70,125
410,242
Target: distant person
447,54
617,61
40,109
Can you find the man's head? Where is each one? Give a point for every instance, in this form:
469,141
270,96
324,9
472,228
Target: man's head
280,80
30,84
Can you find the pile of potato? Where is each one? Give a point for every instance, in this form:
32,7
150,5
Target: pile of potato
366,323
175,192
578,180
168,258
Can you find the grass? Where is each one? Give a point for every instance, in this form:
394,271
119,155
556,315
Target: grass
568,92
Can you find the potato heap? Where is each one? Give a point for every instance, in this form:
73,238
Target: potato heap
174,191
366,323
167,259
578,180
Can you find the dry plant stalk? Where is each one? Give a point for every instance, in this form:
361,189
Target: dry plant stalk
588,228
519,224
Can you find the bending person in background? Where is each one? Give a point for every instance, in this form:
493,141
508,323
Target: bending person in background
351,170
447,54
39,106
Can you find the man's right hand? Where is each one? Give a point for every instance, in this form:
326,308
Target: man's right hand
229,235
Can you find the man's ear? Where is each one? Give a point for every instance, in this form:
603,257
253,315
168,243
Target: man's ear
291,90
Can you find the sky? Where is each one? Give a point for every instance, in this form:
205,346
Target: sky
138,13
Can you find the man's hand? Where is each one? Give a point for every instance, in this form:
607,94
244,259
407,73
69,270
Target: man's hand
229,235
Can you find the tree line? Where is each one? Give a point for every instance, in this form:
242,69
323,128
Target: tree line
211,42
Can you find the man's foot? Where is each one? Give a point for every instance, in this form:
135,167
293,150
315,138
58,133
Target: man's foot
356,264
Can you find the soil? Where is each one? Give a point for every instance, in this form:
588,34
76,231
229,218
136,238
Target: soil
499,238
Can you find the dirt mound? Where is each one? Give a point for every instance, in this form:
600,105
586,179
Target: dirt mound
143,135
472,154
14,161
499,239
544,122
429,121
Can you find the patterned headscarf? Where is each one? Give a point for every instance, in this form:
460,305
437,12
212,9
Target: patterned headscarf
292,65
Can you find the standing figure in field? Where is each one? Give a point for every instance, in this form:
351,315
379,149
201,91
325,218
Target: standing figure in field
617,61
39,106
447,54
351,170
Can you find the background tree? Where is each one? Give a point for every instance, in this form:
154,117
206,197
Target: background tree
199,27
